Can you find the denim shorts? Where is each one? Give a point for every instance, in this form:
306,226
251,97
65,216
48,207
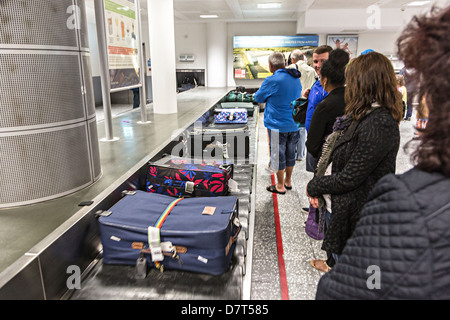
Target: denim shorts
282,147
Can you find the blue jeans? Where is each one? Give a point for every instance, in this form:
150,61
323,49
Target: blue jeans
327,221
301,148
282,147
409,106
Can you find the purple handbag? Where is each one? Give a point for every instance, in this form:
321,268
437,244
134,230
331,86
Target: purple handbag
312,228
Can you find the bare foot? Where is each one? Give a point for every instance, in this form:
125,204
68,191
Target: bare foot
320,265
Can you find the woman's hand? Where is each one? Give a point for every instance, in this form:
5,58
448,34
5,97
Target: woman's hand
313,201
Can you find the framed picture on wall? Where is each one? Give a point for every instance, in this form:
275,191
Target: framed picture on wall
346,42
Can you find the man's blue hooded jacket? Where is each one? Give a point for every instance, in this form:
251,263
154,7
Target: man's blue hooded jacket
278,91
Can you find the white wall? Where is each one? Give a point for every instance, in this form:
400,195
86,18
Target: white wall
190,38
93,49
380,42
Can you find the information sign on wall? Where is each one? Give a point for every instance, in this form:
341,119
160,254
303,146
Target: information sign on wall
251,53
123,43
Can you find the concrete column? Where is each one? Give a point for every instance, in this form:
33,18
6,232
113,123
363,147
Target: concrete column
162,51
216,37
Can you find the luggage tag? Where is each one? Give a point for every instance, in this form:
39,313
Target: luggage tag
233,185
209,210
231,116
154,243
225,151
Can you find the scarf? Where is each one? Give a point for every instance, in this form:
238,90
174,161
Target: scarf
339,127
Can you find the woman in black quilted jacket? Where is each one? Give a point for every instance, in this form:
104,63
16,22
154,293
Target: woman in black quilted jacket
400,248
365,150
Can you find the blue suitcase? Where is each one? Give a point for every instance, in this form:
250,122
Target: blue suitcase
235,115
198,234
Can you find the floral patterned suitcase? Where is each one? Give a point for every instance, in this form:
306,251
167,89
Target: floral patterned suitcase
230,115
188,177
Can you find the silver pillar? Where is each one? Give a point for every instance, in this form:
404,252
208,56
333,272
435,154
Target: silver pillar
143,69
104,68
48,131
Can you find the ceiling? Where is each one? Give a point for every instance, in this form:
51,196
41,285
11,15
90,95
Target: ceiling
247,10
189,11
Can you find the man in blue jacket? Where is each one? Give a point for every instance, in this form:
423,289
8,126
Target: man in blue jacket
277,91
315,96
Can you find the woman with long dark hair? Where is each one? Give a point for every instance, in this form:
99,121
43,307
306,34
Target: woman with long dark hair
400,248
364,149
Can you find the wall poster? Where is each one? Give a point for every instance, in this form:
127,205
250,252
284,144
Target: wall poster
346,42
123,43
251,53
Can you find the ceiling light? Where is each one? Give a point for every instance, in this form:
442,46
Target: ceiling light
269,5
208,16
417,3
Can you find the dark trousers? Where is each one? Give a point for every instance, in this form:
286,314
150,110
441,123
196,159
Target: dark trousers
409,106
136,98
311,162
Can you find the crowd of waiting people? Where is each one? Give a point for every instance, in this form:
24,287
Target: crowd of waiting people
381,230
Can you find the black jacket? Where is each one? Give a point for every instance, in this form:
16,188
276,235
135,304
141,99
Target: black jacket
361,156
404,230
323,118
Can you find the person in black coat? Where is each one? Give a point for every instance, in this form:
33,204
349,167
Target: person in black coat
333,106
400,248
365,150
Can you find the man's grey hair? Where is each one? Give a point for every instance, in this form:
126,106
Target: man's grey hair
297,55
276,59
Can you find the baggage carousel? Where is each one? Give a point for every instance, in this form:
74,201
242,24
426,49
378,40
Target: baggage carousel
49,269
119,282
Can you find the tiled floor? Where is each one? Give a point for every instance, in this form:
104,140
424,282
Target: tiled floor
116,110
298,247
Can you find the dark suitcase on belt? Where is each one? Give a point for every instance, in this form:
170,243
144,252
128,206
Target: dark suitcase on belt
188,177
229,140
192,234
234,96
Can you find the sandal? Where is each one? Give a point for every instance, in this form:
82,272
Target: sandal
273,189
288,188
325,267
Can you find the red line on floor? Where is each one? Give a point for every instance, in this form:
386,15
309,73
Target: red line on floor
281,264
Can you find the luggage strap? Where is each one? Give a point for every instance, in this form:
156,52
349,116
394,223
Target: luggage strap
166,213
154,240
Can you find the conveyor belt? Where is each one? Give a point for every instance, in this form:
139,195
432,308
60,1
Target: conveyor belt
118,282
